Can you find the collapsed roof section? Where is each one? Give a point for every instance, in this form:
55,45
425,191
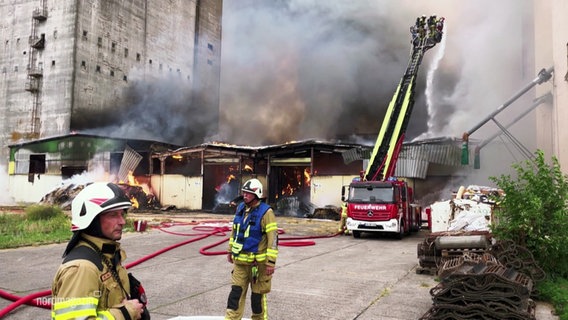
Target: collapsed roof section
212,150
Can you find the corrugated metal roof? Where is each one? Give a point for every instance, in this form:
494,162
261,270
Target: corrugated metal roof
411,168
415,157
445,154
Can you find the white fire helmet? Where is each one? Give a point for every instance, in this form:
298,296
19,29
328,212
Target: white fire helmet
253,186
95,199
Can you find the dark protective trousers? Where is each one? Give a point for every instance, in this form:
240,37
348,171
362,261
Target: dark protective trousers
241,278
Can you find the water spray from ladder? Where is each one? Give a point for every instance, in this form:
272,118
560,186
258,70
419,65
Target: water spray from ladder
430,79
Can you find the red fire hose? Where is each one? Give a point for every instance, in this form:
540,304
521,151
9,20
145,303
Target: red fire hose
31,299
27,299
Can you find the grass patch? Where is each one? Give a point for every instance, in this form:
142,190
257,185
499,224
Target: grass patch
555,291
19,229
38,225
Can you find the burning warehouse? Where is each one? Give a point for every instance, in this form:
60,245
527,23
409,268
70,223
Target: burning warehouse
203,177
298,176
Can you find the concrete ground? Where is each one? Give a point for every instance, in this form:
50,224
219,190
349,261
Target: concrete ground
336,277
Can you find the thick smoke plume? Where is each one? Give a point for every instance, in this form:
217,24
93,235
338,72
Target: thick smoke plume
158,108
302,69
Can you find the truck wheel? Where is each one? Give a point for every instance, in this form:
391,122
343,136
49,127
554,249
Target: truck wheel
417,223
401,231
356,234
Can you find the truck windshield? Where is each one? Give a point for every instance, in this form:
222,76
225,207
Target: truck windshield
372,195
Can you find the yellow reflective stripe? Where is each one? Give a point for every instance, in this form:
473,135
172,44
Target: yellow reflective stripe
244,258
250,257
260,257
271,227
75,308
264,307
247,232
105,315
273,253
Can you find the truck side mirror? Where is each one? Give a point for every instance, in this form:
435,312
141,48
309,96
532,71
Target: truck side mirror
343,193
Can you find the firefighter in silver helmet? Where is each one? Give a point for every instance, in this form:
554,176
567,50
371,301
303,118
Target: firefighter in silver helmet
253,249
91,283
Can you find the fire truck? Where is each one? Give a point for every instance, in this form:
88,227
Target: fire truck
377,201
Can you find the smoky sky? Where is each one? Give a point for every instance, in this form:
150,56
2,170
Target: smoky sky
307,69
157,108
301,69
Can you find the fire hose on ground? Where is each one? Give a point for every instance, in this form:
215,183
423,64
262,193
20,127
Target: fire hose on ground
206,231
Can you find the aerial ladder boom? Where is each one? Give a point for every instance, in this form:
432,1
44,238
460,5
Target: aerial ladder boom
426,33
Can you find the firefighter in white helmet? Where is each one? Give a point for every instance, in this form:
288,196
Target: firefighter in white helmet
253,249
91,283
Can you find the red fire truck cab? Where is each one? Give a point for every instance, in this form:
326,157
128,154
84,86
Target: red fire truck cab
381,206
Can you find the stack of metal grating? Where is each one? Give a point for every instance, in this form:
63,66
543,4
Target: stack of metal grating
494,285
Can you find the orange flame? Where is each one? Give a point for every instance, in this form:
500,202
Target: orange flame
288,190
132,181
307,177
135,203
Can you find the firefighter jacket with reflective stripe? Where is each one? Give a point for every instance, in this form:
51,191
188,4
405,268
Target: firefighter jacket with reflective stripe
85,288
254,236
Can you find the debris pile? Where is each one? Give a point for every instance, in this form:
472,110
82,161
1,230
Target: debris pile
224,208
478,193
292,206
64,195
328,212
139,198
